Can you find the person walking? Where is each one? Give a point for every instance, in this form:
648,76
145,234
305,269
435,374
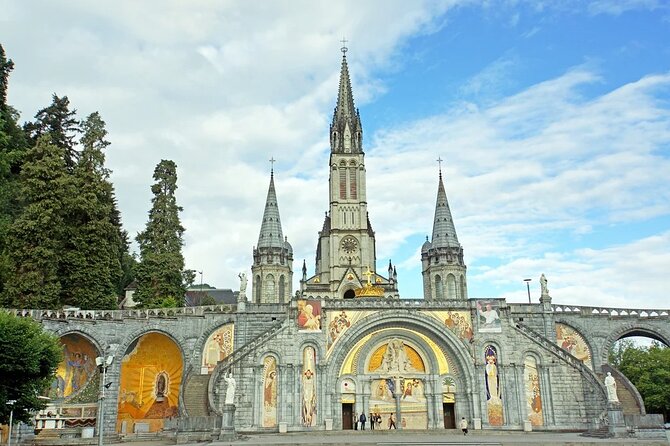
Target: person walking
391,422
372,421
464,426
355,418
362,419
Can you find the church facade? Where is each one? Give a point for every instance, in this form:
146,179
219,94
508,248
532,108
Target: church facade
344,343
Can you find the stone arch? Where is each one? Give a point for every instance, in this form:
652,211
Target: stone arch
199,343
77,371
216,350
349,293
457,356
632,328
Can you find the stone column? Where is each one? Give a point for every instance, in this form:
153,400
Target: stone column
617,426
227,423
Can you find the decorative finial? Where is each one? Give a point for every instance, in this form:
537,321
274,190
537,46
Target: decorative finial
344,48
439,162
272,165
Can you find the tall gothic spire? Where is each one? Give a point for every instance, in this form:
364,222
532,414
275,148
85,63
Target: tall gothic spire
346,132
271,233
444,231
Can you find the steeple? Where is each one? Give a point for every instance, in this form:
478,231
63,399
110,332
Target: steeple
271,233
444,232
346,131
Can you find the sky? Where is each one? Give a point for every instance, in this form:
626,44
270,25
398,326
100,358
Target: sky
552,118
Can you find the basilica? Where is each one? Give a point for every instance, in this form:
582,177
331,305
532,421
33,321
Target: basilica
345,343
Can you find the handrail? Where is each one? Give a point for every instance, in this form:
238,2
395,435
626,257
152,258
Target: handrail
238,355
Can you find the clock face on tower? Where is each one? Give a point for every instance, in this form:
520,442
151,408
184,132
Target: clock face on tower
349,244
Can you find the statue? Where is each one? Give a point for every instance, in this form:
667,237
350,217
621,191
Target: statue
243,284
543,285
230,388
610,384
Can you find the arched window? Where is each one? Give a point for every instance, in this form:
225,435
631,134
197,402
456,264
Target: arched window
451,287
353,187
464,290
270,292
282,289
349,294
258,288
439,288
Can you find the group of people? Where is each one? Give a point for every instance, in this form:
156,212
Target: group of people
375,421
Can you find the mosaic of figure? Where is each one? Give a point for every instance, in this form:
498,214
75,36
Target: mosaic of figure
218,346
269,392
395,358
458,322
493,394
151,373
337,325
413,404
308,411
77,367
533,394
573,342
489,319
309,315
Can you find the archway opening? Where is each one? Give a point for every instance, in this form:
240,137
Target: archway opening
349,294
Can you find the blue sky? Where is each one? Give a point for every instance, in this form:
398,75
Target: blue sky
552,117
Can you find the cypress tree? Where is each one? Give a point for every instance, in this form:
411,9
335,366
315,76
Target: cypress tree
160,273
35,237
91,263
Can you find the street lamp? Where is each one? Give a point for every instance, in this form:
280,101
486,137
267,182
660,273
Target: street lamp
10,403
528,287
103,363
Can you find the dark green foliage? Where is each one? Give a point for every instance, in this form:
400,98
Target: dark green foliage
28,359
160,274
90,266
58,121
649,369
35,238
207,300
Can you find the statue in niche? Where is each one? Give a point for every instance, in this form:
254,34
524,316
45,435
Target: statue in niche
161,386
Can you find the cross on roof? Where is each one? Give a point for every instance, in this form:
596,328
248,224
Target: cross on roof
439,162
272,164
344,48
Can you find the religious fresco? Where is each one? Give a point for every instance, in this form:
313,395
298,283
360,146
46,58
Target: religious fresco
489,318
413,402
308,403
77,367
570,340
458,322
218,346
269,392
533,395
395,357
309,315
494,406
151,373
338,323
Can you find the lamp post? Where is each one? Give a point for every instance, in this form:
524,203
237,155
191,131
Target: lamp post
10,403
103,363
528,287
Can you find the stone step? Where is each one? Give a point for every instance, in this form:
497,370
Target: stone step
195,396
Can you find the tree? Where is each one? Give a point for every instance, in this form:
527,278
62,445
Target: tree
160,274
35,238
58,121
13,146
648,368
90,265
28,360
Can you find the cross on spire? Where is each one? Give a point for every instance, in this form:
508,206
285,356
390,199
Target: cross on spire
439,162
344,48
272,164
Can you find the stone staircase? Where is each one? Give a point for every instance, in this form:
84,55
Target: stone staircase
630,399
237,355
195,396
601,432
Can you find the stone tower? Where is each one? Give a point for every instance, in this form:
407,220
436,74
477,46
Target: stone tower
272,270
346,251
443,268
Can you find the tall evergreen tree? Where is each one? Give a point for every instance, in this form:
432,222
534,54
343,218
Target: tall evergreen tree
35,238
12,150
58,121
90,266
160,273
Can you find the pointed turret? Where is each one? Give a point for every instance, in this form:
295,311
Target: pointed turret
442,257
444,232
273,256
271,233
346,131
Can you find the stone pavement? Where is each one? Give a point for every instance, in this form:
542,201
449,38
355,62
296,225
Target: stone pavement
416,438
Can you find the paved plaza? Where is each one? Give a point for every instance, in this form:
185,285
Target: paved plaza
412,438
